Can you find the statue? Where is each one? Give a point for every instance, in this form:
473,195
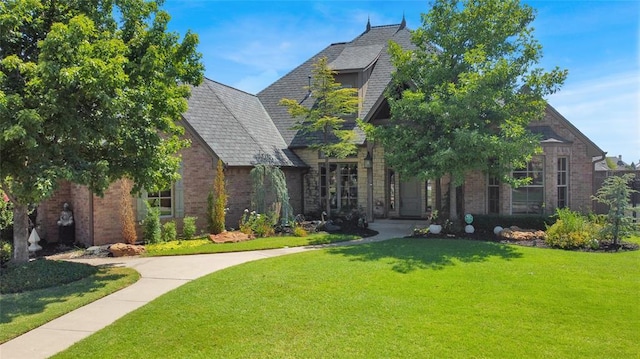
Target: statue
66,216
66,226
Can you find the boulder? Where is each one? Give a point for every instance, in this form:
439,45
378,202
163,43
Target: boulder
517,234
123,250
229,237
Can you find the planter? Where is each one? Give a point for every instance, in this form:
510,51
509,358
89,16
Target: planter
435,228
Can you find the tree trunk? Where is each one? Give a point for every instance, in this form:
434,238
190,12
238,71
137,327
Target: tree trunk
20,233
453,208
327,183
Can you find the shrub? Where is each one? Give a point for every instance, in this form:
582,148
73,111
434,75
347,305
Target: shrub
5,253
572,230
126,214
152,227
188,227
256,224
220,203
169,232
299,231
616,194
487,222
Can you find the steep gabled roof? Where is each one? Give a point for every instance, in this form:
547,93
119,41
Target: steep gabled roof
369,50
592,149
236,127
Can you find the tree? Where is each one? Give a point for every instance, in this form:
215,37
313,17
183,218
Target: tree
89,92
616,193
325,116
218,202
462,97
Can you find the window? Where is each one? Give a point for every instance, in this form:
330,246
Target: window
494,195
529,199
392,190
340,186
428,200
162,200
563,181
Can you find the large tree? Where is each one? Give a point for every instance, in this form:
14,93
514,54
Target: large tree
462,98
89,92
325,116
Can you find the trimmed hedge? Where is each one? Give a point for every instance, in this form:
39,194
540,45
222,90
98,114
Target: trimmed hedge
487,222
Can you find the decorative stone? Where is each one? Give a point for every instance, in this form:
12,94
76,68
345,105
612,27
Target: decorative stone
122,250
34,238
497,230
469,229
229,237
468,218
435,228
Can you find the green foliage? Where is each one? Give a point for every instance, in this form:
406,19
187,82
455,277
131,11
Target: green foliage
270,186
487,222
90,91
259,225
5,253
188,227
218,219
457,99
325,117
152,227
42,274
572,230
210,211
299,231
169,232
616,193
6,212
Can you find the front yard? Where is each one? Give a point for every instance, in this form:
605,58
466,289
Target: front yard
403,298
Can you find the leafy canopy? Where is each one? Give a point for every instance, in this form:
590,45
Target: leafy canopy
89,92
462,97
326,115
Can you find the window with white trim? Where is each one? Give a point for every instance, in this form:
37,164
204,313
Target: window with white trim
529,199
563,182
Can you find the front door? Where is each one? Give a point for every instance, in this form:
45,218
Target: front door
410,198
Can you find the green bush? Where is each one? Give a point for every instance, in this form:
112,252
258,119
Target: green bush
169,232
572,230
487,222
42,274
299,231
260,225
5,253
152,227
188,227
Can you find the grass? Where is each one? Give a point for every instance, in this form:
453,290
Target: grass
203,246
25,311
402,298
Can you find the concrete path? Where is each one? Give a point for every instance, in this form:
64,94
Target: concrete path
159,275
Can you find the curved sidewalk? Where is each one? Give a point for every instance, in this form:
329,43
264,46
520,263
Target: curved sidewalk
159,275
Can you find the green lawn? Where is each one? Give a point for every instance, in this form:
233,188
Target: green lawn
21,312
202,246
403,298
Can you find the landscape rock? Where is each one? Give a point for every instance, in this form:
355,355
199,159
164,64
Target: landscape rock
123,250
229,237
517,234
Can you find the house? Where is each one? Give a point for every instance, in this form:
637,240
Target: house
243,130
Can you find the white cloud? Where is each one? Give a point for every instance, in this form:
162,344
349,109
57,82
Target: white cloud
606,109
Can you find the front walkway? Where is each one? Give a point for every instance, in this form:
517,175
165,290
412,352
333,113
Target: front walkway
159,275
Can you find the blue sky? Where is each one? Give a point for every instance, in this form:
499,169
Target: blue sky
250,44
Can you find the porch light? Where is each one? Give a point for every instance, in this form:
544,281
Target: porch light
368,161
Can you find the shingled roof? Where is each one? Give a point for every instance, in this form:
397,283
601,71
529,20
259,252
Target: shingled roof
369,50
236,127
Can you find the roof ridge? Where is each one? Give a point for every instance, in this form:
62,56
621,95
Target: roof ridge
230,87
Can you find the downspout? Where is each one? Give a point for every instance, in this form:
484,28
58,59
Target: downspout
91,224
